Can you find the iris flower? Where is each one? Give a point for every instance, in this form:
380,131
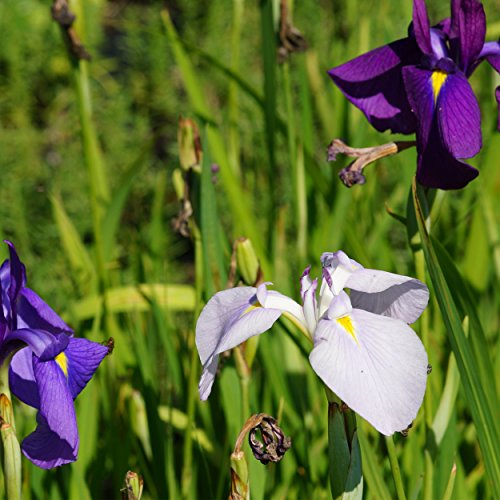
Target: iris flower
49,366
364,350
419,85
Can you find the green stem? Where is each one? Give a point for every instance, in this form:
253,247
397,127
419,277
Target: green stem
396,471
187,462
11,458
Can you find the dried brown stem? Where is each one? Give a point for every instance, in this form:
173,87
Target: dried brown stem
352,174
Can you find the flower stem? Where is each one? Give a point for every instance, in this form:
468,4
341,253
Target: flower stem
11,458
396,471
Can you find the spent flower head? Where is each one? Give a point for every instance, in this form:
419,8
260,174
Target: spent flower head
364,350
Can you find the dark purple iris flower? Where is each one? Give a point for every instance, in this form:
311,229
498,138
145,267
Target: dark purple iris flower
49,370
419,85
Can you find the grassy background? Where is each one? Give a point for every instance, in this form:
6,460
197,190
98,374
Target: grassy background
96,225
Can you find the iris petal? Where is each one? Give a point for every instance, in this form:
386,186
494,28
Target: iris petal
83,358
380,292
55,440
373,83
228,319
381,374
459,117
437,167
22,381
469,26
421,26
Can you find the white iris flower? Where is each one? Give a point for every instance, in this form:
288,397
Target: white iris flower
364,350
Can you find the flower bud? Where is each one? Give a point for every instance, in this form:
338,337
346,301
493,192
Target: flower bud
247,261
189,142
133,486
240,487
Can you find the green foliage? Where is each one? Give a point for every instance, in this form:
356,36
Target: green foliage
88,154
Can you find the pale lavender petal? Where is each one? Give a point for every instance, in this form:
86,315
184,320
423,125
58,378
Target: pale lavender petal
421,26
207,377
379,369
310,307
339,267
380,292
373,83
22,381
220,313
82,358
459,117
55,440
228,319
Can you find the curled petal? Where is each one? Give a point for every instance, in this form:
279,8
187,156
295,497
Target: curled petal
44,344
310,308
379,292
55,440
339,268
373,83
375,364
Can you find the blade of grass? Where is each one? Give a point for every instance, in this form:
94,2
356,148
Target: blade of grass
478,402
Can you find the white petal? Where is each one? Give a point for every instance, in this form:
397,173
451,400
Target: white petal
389,294
310,308
220,312
380,370
275,300
208,377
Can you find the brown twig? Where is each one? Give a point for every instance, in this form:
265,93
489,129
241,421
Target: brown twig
352,174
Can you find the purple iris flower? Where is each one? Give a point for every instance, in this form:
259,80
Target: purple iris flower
419,85
49,369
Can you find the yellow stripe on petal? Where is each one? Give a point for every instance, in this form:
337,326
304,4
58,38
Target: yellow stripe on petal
251,307
437,81
62,361
347,325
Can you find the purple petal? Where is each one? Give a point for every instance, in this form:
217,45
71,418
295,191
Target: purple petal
373,83
44,344
22,381
82,359
55,440
437,167
459,117
33,312
421,26
469,23
17,275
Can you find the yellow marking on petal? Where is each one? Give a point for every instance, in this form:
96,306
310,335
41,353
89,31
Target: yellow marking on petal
62,361
251,307
346,323
437,81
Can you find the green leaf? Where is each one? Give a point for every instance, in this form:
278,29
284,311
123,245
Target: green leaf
480,406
